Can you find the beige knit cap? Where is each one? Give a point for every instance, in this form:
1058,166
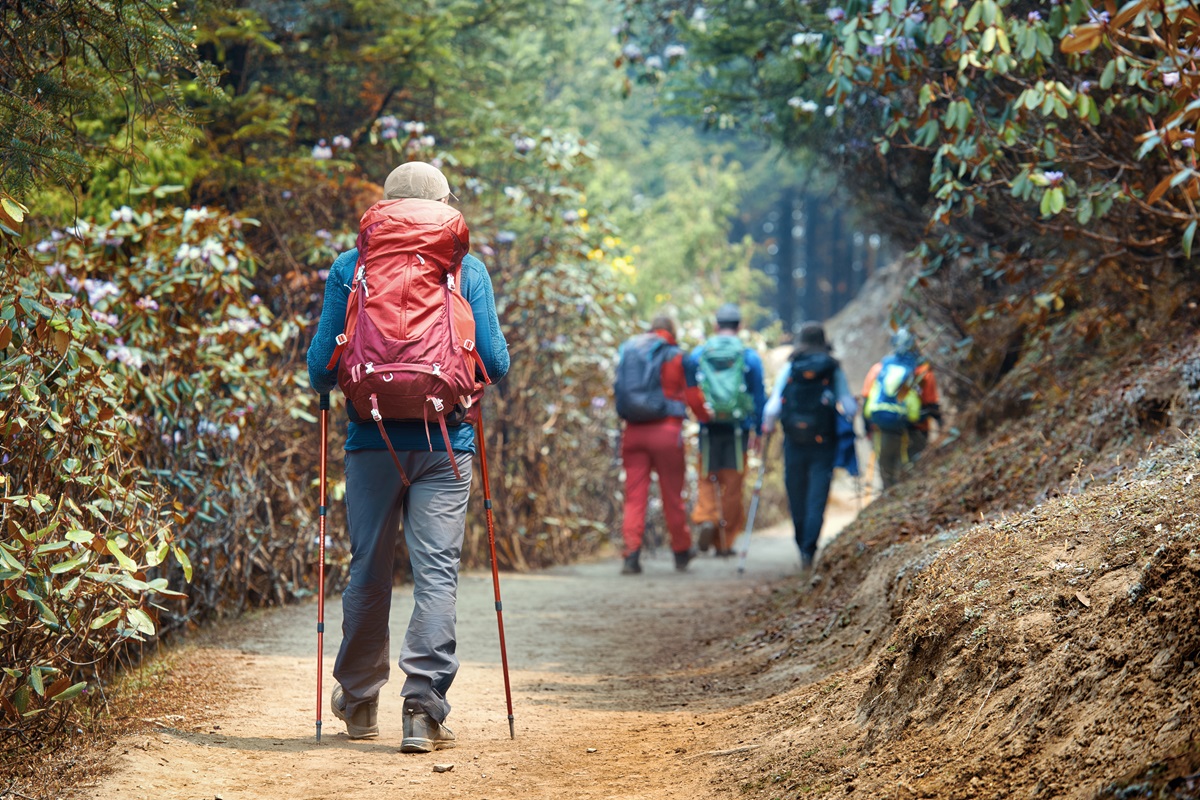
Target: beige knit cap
416,179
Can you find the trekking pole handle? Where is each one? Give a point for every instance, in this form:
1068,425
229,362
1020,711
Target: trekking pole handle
324,401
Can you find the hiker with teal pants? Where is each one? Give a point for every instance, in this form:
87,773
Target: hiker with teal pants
730,376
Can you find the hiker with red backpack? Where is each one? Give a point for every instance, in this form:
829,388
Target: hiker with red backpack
809,397
730,378
900,398
652,399
409,332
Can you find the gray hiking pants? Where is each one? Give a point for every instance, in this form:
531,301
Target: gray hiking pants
434,513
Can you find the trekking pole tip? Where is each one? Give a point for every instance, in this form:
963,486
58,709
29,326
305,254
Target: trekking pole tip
318,731
512,731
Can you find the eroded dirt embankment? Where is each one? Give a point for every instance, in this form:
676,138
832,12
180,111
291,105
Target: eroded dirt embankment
1051,653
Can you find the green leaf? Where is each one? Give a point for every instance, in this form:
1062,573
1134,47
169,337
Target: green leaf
1057,200
13,209
972,20
104,619
184,562
69,692
20,699
71,564
125,561
1084,212
988,43
1181,176
1189,236
1109,75
301,414
80,536
140,621
35,681
33,307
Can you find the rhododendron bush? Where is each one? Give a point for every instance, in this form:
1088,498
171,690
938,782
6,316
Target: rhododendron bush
134,355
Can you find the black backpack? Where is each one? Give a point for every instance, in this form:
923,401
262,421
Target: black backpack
809,413
638,385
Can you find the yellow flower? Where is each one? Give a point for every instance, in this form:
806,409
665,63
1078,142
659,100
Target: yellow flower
596,255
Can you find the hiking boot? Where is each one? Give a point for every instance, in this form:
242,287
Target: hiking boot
422,734
363,723
682,559
705,535
632,564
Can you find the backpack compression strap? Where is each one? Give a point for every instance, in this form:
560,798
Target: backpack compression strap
375,415
440,408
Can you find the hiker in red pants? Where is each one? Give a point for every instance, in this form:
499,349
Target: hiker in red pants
652,399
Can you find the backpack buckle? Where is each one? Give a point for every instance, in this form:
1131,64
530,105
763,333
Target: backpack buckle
370,368
375,415
468,345
437,371
438,405
341,339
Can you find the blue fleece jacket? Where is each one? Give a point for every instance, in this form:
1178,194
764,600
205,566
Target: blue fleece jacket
489,340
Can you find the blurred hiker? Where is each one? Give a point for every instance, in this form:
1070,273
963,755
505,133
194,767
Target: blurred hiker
900,397
812,402
651,398
412,473
730,377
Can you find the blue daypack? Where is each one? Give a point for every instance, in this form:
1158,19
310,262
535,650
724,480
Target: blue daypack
638,384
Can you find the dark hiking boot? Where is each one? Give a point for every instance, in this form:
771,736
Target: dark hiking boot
422,734
632,564
363,723
682,559
705,535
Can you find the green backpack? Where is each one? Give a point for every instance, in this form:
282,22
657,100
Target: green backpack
721,375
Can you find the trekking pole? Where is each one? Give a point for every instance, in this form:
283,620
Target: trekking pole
321,554
758,482
491,529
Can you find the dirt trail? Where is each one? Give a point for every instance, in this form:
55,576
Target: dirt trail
616,693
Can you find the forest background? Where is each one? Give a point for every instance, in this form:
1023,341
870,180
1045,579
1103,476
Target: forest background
176,178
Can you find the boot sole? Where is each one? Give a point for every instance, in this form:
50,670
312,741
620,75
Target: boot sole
414,745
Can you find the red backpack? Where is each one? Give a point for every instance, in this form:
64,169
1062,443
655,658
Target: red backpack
408,349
